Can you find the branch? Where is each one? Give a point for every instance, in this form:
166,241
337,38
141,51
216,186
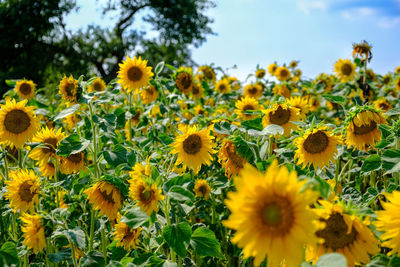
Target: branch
120,27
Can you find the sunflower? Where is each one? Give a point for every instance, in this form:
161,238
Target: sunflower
246,104
184,80
301,103
23,190
70,121
326,80
25,89
230,159
199,110
68,88
47,169
147,195
134,74
207,72
73,163
382,104
314,103
282,115
223,86
253,90
18,123
260,73
281,89
332,105
282,73
397,83
33,230
397,70
140,170
386,79
271,215
126,237
106,198
316,147
293,64
148,94
97,85
202,189
362,50
272,68
345,70
50,138
296,75
197,90
362,129
387,222
235,84
342,233
194,148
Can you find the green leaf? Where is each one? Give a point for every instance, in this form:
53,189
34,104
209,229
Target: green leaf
77,236
371,163
60,256
11,83
332,259
93,259
177,237
159,67
165,139
272,129
393,111
334,98
134,217
8,254
180,193
391,161
255,124
369,196
71,145
205,243
68,111
222,127
385,130
117,156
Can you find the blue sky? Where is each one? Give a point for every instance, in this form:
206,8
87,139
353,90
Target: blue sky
315,32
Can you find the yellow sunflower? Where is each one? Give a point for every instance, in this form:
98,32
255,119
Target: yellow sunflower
271,215
397,83
316,147
301,103
326,80
202,189
253,90
235,84
342,233
382,104
47,169
272,68
149,94
126,237
134,74
25,89
230,159
281,89
207,72
23,190
184,80
293,64
106,198
194,148
362,129
314,103
49,138
71,120
197,90
199,110
73,163
140,170
282,73
282,115
386,79
387,222
223,86
345,70
68,88
332,105
18,123
260,73
246,104
97,85
146,195
397,70
33,230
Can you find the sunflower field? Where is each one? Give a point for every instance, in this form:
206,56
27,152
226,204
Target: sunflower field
197,168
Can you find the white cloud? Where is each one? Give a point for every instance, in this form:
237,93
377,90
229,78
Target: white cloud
307,6
358,13
388,22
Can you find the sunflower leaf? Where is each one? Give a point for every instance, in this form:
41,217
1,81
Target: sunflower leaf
8,254
177,237
134,217
371,163
205,243
71,145
332,259
66,112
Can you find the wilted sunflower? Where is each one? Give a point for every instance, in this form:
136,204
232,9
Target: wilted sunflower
387,222
316,147
126,237
47,169
362,50
106,198
68,88
202,189
301,103
97,85
184,80
73,163
362,129
272,68
282,73
223,86
193,147
33,230
282,115
18,123
197,90
207,72
345,70
148,94
230,159
23,190
260,73
49,138
134,74
382,104
25,89
342,233
281,89
246,104
146,195
253,90
271,215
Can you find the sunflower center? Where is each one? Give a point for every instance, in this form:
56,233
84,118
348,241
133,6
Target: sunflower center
25,193
284,73
203,190
17,121
208,73
145,195
278,215
50,145
365,128
384,106
195,90
234,157
75,158
248,107
222,87
69,89
253,91
149,91
135,74
316,142
192,144
108,196
97,86
280,116
128,234
386,80
346,69
335,233
25,89
185,80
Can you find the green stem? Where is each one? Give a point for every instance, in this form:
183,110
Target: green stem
14,223
95,160
166,211
26,259
20,158
56,180
337,169
92,224
104,244
73,254
396,174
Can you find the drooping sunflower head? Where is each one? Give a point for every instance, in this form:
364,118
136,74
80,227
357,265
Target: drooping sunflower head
268,211
25,89
230,159
272,68
207,72
194,148
33,230
316,147
126,237
235,83
301,103
134,74
73,163
49,139
223,86
244,105
106,198
23,190
282,115
184,80
146,195
197,90
260,73
47,169
253,90
18,123
362,50
149,94
68,88
382,104
282,73
202,189
282,89
97,85
345,70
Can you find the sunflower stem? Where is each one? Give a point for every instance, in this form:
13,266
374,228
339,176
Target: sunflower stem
56,180
95,160
20,158
92,223
14,226
396,174
26,260
104,244
337,169
73,254
166,211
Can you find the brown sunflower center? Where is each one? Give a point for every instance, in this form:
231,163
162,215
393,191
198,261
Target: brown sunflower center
97,86
150,91
192,144
146,195
25,192
50,145
25,89
184,80
69,89
203,189
195,89
386,80
346,69
222,87
280,116
335,233
128,235
248,107
316,142
17,121
384,106
75,158
283,73
208,73
108,196
365,128
135,74
278,215
253,90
